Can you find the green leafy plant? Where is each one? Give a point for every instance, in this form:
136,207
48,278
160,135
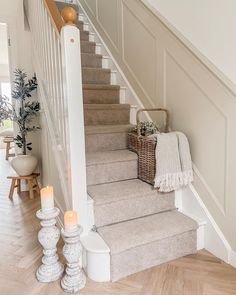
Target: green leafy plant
147,128
24,110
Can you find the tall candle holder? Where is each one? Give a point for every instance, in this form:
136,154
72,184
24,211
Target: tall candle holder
51,269
74,279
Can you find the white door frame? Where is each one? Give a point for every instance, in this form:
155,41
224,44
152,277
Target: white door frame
12,49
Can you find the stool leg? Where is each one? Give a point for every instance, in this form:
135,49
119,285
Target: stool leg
18,186
7,150
13,182
37,186
31,191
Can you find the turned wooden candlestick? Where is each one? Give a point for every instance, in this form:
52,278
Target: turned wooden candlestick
74,279
51,269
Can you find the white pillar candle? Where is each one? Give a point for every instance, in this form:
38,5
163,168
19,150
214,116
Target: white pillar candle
70,220
47,198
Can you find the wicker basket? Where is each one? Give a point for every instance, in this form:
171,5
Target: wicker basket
145,147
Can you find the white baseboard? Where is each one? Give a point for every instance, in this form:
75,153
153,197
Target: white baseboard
232,258
210,236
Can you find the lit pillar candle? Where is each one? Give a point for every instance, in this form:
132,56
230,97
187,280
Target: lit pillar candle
47,198
70,220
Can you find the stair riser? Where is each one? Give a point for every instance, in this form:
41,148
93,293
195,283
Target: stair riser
80,26
149,255
106,117
132,208
103,173
91,61
96,77
101,96
106,142
84,36
88,47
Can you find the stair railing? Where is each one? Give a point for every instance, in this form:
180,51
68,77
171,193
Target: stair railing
56,49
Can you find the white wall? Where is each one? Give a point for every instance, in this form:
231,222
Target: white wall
3,44
20,52
9,7
12,13
209,25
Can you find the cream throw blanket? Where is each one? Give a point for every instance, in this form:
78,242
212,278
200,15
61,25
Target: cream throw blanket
173,162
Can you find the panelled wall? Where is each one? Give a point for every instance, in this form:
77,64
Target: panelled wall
199,22
164,72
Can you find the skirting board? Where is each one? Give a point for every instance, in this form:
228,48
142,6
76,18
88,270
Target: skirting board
212,239
232,258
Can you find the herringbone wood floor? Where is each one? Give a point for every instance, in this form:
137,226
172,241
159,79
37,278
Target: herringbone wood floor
20,253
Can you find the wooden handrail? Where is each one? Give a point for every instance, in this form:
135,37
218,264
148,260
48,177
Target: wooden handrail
55,14
68,15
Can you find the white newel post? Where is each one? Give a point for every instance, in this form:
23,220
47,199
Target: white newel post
72,78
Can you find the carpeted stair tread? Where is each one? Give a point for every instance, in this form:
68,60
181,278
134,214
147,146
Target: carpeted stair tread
106,137
101,129
101,93
96,76
122,190
141,231
115,106
101,87
88,47
148,241
91,60
84,35
111,166
125,200
106,114
110,157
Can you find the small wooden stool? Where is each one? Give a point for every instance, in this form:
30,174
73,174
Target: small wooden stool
32,183
8,140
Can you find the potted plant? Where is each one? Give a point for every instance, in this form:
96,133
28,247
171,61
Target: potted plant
23,111
147,128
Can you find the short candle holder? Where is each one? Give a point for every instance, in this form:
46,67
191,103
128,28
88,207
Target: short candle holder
51,269
74,279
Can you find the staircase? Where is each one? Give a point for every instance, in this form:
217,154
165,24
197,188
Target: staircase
141,226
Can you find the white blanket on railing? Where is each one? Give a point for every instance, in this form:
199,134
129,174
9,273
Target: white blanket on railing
173,162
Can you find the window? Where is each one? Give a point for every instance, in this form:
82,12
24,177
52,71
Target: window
6,89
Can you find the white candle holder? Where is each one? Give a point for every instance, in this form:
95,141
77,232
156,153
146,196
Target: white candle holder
74,279
51,269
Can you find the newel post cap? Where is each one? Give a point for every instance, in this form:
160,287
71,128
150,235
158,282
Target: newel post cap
69,15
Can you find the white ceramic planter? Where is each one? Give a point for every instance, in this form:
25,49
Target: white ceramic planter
24,164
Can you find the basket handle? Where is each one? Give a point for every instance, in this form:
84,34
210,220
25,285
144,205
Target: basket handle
152,110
